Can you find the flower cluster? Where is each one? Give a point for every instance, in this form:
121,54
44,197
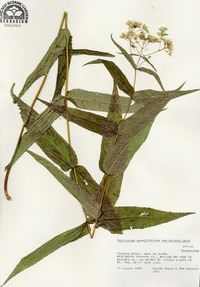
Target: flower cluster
139,37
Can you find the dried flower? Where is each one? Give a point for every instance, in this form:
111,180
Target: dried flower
134,24
145,28
162,32
168,43
153,39
142,36
139,38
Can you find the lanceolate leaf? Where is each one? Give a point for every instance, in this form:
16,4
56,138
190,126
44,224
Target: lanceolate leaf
51,143
90,121
113,186
137,122
114,114
48,248
75,52
142,69
154,103
93,122
121,153
36,130
146,96
54,51
86,200
61,75
136,218
152,73
126,55
117,75
95,101
133,132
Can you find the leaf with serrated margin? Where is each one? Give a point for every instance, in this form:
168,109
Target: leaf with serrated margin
126,55
54,51
133,132
48,248
90,121
95,101
154,103
117,75
127,217
138,121
114,114
38,128
51,143
85,199
121,153
113,186
146,96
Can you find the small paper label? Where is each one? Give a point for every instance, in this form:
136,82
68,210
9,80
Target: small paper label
156,262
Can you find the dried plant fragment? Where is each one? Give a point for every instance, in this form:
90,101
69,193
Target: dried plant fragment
124,130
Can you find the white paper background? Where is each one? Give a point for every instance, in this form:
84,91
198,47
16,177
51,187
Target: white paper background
163,175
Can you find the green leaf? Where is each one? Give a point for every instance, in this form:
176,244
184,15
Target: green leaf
114,114
112,192
38,128
117,75
95,101
126,55
85,199
147,96
113,186
121,153
154,103
54,51
61,76
51,143
138,121
90,121
133,132
78,52
125,217
61,73
146,60
152,73
85,180
48,248
95,123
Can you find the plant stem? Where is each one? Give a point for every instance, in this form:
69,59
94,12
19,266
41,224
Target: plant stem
155,52
64,19
134,84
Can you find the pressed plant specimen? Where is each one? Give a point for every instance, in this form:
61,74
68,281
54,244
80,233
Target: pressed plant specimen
125,128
